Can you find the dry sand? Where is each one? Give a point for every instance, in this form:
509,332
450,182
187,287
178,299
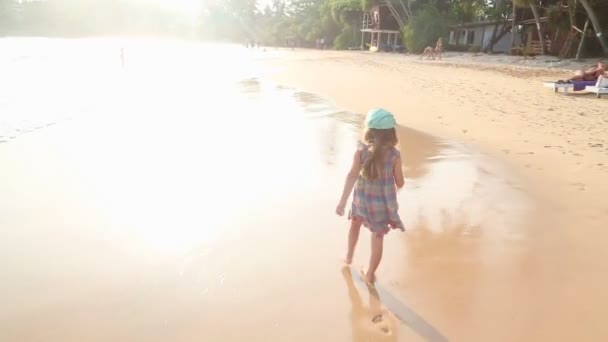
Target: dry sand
558,143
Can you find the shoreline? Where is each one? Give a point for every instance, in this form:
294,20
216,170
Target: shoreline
432,124
548,63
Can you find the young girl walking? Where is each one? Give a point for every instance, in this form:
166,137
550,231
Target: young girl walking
376,174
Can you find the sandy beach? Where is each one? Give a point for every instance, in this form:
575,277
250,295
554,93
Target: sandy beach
168,207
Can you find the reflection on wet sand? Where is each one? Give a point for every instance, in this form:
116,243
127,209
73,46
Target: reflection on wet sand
468,224
371,322
379,320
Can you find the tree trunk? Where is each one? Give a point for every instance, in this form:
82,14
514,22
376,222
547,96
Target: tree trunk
498,37
513,27
539,28
490,46
596,25
582,42
395,14
406,11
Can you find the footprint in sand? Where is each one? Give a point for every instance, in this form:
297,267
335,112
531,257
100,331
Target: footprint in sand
381,324
579,185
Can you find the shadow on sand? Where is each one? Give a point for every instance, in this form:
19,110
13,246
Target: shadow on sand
377,321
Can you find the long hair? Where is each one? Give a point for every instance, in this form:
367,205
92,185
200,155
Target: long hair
379,142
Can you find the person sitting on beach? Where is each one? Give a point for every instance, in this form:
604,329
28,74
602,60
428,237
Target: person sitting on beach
591,74
438,47
428,52
375,175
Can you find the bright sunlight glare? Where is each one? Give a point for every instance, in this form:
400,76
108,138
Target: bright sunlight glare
187,6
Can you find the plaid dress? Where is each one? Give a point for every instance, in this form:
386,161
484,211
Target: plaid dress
375,201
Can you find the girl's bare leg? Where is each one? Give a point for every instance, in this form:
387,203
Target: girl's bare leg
375,258
353,237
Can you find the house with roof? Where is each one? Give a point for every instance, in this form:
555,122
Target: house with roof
380,28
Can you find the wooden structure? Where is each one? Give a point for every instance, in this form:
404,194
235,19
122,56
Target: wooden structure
564,42
532,45
383,28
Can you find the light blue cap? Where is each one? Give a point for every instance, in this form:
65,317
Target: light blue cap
379,118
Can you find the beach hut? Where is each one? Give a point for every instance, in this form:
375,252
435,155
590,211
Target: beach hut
383,29
478,36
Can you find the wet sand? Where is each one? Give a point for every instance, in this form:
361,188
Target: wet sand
107,246
149,219
136,226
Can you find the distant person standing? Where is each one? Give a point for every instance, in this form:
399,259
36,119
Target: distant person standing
122,57
439,48
323,43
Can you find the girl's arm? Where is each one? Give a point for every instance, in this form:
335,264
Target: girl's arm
398,173
351,179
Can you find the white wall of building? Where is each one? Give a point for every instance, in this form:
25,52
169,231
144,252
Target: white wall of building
482,36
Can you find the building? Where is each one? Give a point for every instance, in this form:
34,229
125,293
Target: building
478,36
383,29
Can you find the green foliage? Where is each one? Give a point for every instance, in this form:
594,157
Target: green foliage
558,18
424,30
523,3
497,9
466,10
337,21
345,39
346,12
366,5
301,20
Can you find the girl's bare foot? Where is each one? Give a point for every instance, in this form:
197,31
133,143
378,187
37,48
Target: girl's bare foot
348,260
369,279
346,271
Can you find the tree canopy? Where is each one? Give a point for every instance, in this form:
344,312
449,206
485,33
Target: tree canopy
302,22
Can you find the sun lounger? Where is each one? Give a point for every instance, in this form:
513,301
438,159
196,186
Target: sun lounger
600,88
575,85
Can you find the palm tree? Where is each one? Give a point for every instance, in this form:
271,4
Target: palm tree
533,6
596,24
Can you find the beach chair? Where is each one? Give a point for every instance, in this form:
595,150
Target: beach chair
575,86
600,88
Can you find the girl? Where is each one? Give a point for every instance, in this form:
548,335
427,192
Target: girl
376,175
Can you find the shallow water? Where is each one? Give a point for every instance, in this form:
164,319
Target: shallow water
182,202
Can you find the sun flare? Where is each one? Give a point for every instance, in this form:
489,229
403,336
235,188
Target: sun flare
186,6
